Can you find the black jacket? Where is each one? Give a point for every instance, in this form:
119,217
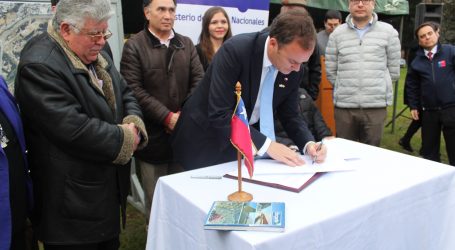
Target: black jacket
78,154
313,118
312,74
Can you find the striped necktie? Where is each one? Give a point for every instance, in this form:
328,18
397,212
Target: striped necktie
430,56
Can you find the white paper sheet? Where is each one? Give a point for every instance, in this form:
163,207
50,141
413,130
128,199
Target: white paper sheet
272,171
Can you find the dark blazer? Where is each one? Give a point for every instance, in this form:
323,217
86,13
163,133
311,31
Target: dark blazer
201,136
12,180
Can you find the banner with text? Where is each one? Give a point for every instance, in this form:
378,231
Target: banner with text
245,15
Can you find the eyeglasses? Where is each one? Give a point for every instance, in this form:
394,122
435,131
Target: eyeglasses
358,1
94,36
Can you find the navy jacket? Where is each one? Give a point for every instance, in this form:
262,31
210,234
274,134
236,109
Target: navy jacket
431,84
201,136
9,108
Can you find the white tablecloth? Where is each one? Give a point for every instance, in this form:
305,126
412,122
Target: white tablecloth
392,201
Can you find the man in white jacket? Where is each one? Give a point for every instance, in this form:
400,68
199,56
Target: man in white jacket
362,61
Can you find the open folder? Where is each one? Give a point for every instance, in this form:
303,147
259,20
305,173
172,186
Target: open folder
275,174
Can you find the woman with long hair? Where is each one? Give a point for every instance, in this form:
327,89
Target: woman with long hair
216,28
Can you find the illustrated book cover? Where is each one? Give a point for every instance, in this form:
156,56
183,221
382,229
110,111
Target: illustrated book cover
258,216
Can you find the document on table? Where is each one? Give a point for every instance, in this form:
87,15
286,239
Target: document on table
276,174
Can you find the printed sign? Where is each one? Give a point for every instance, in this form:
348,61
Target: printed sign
245,15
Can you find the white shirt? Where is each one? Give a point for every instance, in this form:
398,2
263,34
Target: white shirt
433,51
167,41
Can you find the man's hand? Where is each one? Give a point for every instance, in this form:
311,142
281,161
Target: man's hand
135,132
284,154
174,118
415,114
317,151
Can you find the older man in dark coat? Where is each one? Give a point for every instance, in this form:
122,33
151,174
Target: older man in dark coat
82,124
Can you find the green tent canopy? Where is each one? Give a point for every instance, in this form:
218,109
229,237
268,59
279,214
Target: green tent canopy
387,7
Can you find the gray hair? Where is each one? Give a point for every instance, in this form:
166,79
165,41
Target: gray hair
76,12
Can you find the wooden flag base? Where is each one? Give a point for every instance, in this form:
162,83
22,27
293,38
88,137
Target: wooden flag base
240,196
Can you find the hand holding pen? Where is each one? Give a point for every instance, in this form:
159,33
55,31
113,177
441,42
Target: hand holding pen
318,152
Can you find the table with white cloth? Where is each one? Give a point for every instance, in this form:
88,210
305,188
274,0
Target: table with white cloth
391,201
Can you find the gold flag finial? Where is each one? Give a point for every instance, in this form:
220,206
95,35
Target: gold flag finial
238,88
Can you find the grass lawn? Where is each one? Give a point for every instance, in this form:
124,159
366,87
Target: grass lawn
134,236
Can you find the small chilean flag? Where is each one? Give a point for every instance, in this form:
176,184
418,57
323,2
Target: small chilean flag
442,64
240,134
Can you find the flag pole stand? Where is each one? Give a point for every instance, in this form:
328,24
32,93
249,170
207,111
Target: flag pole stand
240,195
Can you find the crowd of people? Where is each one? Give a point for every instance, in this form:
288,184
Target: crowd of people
69,133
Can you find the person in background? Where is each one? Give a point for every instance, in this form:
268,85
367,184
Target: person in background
313,118
15,182
312,68
268,66
216,28
162,68
332,20
431,92
362,60
106,47
414,126
82,125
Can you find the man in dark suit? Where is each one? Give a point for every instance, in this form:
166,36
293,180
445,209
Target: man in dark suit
201,136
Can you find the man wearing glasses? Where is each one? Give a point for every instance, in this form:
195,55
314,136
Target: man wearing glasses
362,61
106,47
82,125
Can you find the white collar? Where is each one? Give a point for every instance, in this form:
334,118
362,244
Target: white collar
433,50
165,42
265,60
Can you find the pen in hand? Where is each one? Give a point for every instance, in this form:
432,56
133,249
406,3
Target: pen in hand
315,158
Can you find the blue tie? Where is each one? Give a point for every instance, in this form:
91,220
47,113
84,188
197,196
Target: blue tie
266,108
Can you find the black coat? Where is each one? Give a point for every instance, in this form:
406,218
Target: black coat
79,155
313,118
201,137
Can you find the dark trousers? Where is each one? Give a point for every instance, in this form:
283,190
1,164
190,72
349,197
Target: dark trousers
412,129
433,122
112,244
